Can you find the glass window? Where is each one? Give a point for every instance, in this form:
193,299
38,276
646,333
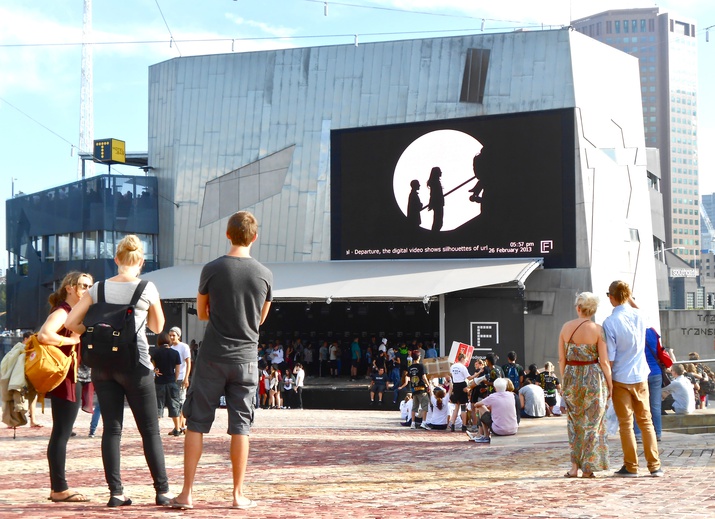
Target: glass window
618,26
625,25
634,26
106,245
609,27
642,25
90,245
651,25
63,247
76,246
50,248
148,244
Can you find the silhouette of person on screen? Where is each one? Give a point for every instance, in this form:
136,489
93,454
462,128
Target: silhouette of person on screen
478,187
436,198
414,205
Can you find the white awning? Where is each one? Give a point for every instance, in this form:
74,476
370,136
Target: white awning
374,280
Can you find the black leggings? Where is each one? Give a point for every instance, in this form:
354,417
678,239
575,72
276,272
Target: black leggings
138,388
64,414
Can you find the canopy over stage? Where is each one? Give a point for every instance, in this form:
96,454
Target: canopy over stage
373,280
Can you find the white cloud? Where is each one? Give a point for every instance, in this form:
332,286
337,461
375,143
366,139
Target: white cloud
278,32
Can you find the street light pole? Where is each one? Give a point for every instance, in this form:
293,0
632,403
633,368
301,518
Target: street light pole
12,191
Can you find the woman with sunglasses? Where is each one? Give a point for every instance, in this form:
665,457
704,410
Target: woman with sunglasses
136,384
66,398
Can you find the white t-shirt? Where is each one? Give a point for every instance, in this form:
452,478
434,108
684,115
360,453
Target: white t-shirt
184,353
459,372
439,416
406,409
683,395
534,402
299,378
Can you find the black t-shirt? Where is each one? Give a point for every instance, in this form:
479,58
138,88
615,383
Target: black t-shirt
165,360
237,289
415,372
548,384
379,380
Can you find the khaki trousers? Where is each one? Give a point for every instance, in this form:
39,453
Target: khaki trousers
632,401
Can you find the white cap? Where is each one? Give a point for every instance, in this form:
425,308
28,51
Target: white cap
176,330
384,341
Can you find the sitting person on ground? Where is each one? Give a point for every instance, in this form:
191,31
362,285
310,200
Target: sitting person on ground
532,374
531,397
497,413
517,402
378,384
491,370
439,410
678,395
551,386
406,409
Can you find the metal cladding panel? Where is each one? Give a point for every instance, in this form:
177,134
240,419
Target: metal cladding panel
214,114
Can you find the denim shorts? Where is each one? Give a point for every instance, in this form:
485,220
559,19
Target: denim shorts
211,380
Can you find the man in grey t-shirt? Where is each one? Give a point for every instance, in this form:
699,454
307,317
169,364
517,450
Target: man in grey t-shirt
235,293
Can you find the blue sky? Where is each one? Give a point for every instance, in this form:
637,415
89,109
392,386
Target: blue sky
40,68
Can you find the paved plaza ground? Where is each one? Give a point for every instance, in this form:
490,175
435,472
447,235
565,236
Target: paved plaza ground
362,464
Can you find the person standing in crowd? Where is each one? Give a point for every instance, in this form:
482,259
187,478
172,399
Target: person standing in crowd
492,370
115,384
625,337
420,387
185,353
334,357
308,360
586,375
235,293
431,352
513,371
299,383
323,358
167,369
678,395
459,394
655,383
66,398
355,354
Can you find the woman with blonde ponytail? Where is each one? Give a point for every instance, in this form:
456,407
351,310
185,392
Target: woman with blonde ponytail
113,385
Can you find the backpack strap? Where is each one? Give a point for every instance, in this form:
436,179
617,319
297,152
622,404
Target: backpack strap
100,292
138,291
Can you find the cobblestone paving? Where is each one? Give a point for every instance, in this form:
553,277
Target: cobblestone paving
362,464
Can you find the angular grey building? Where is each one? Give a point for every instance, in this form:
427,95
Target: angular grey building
541,190
666,47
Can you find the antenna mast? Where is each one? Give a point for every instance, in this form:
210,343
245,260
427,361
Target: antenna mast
86,95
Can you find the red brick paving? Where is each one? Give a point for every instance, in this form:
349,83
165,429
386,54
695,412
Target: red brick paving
362,464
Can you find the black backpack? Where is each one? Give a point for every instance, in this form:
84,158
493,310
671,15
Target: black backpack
110,340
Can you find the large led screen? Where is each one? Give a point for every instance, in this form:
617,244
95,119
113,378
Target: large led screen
481,187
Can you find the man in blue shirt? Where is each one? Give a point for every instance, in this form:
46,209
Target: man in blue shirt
625,337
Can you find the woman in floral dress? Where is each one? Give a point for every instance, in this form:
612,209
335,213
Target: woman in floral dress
586,387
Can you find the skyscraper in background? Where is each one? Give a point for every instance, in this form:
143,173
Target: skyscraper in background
666,48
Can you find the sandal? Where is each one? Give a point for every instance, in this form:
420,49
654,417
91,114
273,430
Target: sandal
74,497
570,475
588,475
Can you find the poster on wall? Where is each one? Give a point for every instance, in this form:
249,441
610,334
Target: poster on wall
480,187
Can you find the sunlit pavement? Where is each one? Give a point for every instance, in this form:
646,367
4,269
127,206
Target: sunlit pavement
326,464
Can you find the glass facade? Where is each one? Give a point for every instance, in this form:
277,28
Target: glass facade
73,227
667,53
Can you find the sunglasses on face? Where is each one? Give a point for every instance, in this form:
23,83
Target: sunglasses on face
84,286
